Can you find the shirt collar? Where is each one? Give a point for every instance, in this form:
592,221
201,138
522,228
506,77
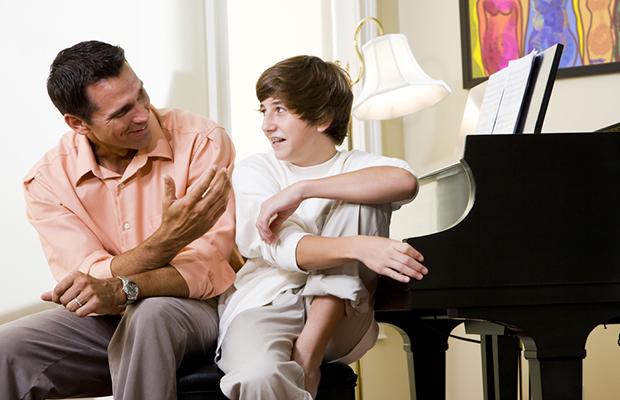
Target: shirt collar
86,163
159,147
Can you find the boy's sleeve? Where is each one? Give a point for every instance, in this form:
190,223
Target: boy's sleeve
357,160
254,182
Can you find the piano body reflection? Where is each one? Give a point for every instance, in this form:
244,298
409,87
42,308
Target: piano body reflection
532,248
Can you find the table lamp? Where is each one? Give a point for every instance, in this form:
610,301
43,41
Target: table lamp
393,83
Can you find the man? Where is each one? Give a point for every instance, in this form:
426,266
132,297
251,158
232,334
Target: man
136,217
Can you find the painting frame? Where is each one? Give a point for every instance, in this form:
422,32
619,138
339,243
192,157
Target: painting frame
470,80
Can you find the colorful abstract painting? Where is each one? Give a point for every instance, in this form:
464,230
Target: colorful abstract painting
493,32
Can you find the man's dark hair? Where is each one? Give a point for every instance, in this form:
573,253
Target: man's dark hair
316,91
77,67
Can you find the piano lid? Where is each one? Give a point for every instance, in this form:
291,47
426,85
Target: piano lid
546,212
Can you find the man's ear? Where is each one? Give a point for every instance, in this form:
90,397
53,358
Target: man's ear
77,124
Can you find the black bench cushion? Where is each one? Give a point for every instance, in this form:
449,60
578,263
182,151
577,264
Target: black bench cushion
199,378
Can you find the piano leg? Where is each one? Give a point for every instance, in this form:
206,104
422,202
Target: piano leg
554,338
555,354
500,363
429,342
556,379
500,351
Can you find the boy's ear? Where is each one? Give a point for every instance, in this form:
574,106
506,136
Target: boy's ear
323,126
76,123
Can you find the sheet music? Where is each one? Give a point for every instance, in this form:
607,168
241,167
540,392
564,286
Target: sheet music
491,101
514,94
504,96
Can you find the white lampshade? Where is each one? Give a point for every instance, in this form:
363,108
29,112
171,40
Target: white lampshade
394,84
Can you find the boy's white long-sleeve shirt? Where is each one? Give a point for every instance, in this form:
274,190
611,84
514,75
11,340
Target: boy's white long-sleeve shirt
272,268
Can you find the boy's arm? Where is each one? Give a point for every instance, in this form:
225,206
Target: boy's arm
394,259
373,185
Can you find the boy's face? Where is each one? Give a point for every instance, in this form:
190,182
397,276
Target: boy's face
293,139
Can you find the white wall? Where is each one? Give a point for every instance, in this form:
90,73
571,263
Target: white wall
164,42
262,33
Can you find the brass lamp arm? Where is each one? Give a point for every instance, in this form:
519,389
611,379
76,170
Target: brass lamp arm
358,51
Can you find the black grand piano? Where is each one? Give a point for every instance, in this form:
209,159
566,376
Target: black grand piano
535,252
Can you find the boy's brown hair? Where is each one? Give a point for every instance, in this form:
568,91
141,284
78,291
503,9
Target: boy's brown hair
317,91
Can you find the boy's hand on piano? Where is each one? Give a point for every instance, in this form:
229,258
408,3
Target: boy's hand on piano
394,259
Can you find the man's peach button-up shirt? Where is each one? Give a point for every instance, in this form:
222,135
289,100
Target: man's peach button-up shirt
86,214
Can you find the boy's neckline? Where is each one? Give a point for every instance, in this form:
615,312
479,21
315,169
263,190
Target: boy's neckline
315,166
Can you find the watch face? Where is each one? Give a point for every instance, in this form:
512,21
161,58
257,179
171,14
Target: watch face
132,291
130,288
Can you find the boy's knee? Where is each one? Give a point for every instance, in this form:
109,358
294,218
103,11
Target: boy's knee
358,219
261,373
375,219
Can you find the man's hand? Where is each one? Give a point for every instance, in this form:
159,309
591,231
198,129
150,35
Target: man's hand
276,209
84,295
188,218
183,221
394,259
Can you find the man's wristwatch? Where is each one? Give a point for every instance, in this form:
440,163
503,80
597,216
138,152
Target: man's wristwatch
130,289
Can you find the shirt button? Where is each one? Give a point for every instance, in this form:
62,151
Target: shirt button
121,186
126,226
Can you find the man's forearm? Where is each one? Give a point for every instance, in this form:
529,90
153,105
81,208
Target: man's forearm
85,295
165,281
155,252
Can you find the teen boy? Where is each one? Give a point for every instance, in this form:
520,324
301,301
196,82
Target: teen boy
312,222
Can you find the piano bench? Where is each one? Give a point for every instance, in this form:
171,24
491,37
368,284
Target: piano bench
197,379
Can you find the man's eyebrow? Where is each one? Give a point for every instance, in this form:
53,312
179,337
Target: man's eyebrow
126,107
120,111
